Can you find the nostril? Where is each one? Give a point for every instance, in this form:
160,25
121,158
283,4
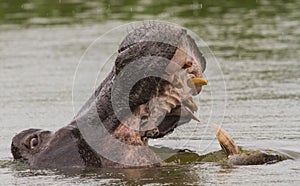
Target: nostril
194,70
15,152
187,64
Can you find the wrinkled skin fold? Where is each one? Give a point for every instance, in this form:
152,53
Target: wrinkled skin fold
148,93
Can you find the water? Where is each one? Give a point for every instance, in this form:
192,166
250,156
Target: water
256,43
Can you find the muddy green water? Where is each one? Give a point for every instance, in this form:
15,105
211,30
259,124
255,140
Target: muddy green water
257,44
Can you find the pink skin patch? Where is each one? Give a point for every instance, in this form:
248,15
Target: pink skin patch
182,67
191,67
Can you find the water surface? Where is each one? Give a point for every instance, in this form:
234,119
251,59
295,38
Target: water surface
256,43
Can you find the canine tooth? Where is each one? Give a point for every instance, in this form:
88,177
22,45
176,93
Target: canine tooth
191,114
226,141
171,102
197,82
191,103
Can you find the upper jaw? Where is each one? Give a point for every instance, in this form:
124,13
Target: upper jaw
187,81
182,113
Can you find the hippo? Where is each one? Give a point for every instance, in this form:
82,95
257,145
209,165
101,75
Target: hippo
230,154
147,95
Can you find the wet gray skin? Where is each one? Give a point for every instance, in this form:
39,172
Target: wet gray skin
40,148
66,148
230,154
238,156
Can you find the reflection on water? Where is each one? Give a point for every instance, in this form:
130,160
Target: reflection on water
256,42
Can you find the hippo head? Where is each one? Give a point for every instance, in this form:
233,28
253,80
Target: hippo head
169,67
42,148
29,142
148,93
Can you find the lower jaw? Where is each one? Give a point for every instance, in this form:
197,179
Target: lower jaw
177,117
169,124
197,90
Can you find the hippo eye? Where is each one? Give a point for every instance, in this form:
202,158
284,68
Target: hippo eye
34,142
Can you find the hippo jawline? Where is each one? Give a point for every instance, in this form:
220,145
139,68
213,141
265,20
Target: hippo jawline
145,100
237,156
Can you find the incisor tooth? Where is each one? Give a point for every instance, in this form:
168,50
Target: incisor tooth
177,82
191,104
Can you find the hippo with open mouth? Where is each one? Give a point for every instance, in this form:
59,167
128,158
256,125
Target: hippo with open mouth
148,93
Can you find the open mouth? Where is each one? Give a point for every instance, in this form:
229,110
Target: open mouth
190,86
189,105
175,105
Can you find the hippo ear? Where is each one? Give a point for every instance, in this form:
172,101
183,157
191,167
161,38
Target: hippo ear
225,141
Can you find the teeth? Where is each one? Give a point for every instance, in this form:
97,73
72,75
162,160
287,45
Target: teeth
197,82
152,133
171,103
177,82
167,108
191,104
226,141
191,114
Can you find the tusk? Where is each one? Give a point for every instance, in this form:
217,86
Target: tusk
225,140
190,102
197,82
191,114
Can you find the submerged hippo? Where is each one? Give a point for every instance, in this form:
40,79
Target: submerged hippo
230,154
147,94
